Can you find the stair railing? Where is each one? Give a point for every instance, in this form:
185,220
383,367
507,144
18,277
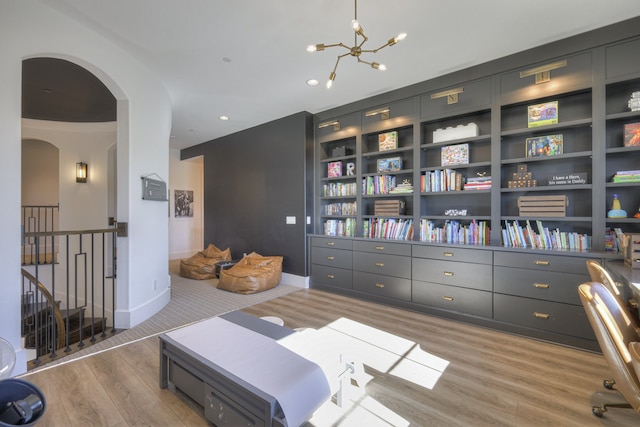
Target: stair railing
80,284
32,306
39,218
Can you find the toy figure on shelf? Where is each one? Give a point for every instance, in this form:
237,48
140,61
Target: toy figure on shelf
616,210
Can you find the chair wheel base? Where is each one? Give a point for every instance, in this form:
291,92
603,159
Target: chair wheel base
597,411
608,384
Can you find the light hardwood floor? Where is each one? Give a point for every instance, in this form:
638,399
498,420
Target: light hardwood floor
492,379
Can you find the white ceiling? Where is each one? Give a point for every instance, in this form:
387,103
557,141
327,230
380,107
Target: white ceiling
185,42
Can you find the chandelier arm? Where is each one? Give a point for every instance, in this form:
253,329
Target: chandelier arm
380,48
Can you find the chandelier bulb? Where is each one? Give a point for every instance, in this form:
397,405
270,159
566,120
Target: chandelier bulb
311,48
332,77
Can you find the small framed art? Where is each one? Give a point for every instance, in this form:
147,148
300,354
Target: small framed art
632,135
388,141
548,145
391,164
334,169
542,114
455,155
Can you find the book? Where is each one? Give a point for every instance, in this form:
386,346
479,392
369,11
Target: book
632,135
455,155
388,141
542,114
334,169
548,145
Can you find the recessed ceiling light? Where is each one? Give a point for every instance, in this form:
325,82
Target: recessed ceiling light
313,82
224,118
226,59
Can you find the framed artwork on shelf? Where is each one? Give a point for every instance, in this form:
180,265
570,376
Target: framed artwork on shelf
632,135
391,164
388,141
548,145
455,155
334,169
542,114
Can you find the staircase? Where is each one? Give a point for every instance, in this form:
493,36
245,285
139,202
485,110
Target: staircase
49,330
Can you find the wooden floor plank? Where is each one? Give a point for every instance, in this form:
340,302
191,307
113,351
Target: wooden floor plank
492,379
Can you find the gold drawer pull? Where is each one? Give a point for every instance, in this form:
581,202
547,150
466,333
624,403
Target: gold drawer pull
541,285
448,254
331,258
379,264
379,248
539,262
446,298
330,276
379,285
541,315
448,273
331,243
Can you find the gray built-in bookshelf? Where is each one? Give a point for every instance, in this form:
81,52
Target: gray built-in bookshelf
513,171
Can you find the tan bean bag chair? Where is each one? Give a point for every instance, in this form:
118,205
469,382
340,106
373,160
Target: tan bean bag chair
203,264
253,273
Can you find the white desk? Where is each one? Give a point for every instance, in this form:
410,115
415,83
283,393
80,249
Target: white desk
233,366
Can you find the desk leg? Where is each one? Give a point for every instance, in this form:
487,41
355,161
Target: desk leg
164,370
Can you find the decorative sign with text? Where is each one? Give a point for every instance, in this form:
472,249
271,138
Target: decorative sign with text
569,179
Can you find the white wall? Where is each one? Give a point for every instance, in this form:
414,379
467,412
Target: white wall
186,235
144,123
82,206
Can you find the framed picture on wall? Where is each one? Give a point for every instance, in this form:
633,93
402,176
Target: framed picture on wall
183,203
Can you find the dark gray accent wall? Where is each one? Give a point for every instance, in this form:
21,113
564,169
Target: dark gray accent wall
253,180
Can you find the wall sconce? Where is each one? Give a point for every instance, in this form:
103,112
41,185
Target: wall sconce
543,72
384,113
451,95
81,172
334,123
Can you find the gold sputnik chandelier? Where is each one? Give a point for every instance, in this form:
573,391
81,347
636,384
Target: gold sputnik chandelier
357,49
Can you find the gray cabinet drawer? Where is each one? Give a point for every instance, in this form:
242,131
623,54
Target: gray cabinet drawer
390,265
329,242
383,248
546,285
477,256
544,315
473,276
462,300
622,59
331,257
386,286
542,261
474,95
332,276
575,75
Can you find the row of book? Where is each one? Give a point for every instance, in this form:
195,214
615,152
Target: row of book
339,189
441,180
524,236
340,227
627,176
345,208
378,184
477,183
388,228
450,180
614,240
474,233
